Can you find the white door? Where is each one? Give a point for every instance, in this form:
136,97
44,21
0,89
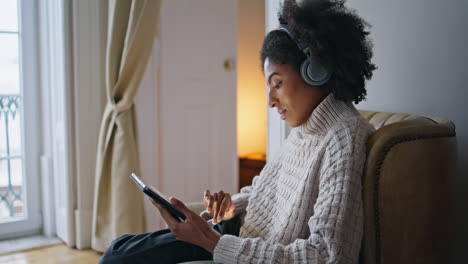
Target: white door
197,98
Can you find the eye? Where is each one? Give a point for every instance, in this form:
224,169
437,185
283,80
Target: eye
278,85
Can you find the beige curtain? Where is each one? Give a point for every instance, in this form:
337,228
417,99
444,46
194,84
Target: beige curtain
118,204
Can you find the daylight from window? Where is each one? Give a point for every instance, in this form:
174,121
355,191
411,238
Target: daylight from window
11,154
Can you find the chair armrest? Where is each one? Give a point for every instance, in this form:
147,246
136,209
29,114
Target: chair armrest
197,207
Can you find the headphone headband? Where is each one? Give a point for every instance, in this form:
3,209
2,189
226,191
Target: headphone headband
302,46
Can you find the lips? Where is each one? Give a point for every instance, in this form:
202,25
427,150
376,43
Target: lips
282,113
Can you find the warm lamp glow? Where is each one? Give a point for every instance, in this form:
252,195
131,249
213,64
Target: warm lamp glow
251,92
251,118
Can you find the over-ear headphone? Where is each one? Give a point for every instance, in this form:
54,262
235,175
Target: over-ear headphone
311,71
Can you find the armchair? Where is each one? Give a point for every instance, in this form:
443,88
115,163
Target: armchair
407,184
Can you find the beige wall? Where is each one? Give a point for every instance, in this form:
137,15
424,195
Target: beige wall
251,98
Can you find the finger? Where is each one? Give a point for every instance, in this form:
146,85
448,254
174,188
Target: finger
206,198
222,208
211,202
214,206
230,212
159,206
209,207
181,206
168,218
221,195
155,203
219,200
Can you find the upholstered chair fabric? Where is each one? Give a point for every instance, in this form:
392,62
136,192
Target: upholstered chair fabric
407,189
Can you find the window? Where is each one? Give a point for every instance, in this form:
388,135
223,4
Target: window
11,160
19,207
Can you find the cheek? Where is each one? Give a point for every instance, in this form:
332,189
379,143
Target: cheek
287,96
291,99
301,106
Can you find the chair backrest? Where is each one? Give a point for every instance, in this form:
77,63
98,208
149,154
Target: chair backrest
407,189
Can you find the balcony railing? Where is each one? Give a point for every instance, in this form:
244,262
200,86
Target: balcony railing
11,158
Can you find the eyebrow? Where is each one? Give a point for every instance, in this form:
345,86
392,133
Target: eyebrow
271,75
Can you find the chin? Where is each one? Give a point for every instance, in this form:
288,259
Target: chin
295,122
292,124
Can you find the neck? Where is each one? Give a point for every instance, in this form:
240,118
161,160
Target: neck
326,114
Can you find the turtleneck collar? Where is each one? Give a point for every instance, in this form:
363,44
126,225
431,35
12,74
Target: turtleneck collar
326,114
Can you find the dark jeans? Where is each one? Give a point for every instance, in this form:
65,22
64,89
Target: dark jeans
162,247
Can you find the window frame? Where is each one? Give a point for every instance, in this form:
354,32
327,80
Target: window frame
31,223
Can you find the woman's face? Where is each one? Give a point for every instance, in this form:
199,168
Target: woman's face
290,94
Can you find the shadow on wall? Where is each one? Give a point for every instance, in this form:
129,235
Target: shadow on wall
423,64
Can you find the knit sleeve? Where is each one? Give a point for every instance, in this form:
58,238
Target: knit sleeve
336,226
241,199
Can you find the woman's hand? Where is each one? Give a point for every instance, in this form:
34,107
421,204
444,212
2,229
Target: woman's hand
194,229
219,206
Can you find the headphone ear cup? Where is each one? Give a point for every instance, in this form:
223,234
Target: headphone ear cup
304,69
313,73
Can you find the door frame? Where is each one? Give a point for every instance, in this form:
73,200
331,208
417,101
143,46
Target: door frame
277,129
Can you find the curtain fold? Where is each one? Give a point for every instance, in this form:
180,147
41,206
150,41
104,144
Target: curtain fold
118,204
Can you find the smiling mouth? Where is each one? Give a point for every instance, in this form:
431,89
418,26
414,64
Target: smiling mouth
282,113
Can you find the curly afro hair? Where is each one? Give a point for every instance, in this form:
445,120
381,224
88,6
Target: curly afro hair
337,37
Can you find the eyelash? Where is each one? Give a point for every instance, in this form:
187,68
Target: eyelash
278,85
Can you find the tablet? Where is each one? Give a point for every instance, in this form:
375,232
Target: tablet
158,197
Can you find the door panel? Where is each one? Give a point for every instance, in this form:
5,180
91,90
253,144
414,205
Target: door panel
197,98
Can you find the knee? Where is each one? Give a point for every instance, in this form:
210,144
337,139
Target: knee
119,242
107,258
115,250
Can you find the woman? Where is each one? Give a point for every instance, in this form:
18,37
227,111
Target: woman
306,204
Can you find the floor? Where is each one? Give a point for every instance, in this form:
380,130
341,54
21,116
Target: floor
54,254
24,243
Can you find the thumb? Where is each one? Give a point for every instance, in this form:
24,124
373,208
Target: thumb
179,205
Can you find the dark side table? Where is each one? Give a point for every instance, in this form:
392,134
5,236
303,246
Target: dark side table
250,166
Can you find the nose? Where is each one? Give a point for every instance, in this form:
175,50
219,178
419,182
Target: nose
272,100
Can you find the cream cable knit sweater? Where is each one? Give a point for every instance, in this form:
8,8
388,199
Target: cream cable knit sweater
306,204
